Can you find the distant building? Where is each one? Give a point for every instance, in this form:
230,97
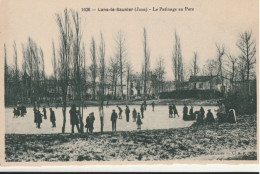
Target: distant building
206,83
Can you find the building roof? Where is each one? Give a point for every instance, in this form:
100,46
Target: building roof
201,78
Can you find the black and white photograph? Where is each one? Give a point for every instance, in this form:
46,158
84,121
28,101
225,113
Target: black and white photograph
129,82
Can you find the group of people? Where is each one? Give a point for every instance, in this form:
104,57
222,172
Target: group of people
173,110
38,116
19,111
136,117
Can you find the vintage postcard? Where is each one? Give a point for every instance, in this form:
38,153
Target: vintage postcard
113,82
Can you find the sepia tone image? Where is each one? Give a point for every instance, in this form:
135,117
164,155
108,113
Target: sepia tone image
126,81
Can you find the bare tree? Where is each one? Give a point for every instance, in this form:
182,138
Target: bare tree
121,56
247,58
102,66
113,74
160,73
77,62
177,60
195,67
64,57
55,71
220,53
16,79
231,69
128,79
146,65
93,67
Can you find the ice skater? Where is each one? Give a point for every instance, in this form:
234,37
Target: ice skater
113,119
153,105
74,120
175,110
170,111
120,112
127,112
139,121
142,110
44,112
52,118
134,115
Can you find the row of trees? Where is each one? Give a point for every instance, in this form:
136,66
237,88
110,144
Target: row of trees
227,66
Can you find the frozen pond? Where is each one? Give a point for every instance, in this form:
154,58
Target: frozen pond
159,119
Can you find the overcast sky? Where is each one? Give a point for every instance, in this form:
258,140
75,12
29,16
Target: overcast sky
212,21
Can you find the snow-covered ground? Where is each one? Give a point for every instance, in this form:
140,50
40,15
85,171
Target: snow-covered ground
159,119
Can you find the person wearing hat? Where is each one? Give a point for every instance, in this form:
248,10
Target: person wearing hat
44,112
92,116
113,119
175,110
52,118
127,112
142,110
88,122
192,115
139,121
209,118
170,111
185,112
120,112
134,115
74,120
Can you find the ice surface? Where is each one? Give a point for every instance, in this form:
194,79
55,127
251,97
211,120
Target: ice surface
159,119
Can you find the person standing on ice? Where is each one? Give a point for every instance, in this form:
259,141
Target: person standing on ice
88,123
202,112
74,120
153,105
113,119
127,112
92,116
175,110
185,112
209,118
170,111
142,110
38,119
52,118
44,112
134,115
120,112
139,121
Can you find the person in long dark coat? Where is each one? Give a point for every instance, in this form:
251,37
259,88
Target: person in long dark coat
170,111
74,120
175,110
113,119
44,113
145,105
38,119
142,110
14,111
52,118
120,112
127,112
153,105
202,112
210,118
185,112
88,123
139,121
192,115
35,116
134,115
92,116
